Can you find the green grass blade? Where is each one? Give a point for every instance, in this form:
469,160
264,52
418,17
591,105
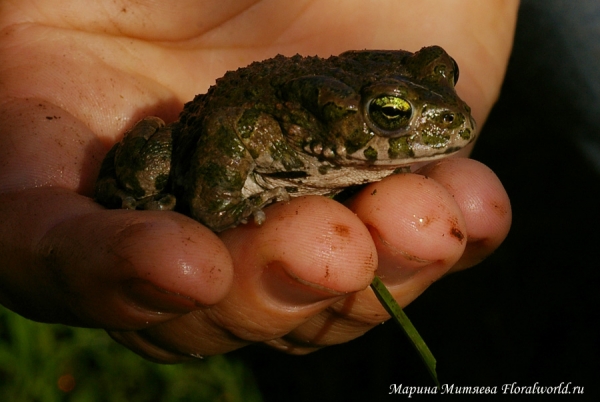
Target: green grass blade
398,315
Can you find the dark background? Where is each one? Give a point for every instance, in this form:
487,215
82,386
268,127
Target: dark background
528,313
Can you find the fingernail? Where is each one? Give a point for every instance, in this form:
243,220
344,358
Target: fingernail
148,296
290,290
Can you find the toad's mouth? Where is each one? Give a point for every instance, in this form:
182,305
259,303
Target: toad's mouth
426,145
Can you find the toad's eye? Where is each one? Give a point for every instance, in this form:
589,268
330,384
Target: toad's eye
455,65
390,113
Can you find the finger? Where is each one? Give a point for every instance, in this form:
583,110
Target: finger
309,253
71,261
483,202
419,233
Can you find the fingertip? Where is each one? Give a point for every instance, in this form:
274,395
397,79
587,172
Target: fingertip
317,240
414,222
132,269
483,201
308,254
175,253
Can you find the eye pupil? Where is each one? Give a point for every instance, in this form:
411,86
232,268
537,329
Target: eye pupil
390,113
448,118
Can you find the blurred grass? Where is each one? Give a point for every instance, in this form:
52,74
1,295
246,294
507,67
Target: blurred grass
43,362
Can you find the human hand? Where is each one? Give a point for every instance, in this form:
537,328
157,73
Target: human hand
76,75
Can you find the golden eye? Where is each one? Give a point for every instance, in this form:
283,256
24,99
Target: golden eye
390,113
